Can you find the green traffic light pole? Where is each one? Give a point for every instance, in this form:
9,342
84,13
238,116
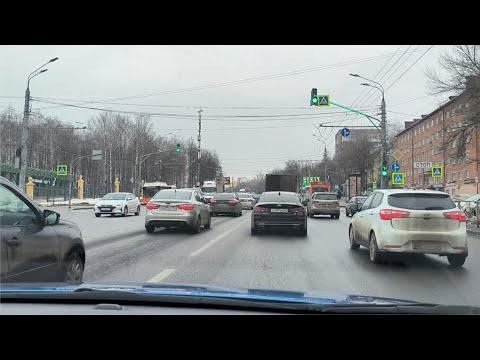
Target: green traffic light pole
367,116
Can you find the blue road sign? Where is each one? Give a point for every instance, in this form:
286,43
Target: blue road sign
395,167
345,132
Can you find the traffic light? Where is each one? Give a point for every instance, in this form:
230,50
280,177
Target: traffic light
314,98
179,149
384,169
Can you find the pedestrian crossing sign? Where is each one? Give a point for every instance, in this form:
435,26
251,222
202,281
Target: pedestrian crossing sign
323,100
398,178
437,171
62,170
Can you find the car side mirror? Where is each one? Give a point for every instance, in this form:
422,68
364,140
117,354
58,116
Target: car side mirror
359,208
50,217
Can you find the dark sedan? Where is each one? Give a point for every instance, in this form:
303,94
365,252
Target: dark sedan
36,245
352,206
226,203
281,210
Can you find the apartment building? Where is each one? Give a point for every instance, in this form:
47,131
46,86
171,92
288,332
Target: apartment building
422,140
372,135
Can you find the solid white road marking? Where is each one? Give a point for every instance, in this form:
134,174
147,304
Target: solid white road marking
218,238
159,277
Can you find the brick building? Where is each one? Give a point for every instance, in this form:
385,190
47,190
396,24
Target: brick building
422,140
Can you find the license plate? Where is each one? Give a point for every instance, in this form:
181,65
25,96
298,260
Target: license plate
279,210
105,209
168,208
427,245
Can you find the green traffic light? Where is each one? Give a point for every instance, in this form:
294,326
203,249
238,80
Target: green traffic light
178,148
314,100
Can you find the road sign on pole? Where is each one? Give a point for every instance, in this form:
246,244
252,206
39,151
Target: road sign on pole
323,100
395,167
437,171
96,155
422,165
398,178
397,154
345,132
62,170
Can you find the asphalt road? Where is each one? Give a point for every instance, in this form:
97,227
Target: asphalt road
120,250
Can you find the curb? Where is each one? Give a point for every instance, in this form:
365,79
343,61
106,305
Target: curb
473,232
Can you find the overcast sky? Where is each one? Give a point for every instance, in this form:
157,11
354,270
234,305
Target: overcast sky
278,81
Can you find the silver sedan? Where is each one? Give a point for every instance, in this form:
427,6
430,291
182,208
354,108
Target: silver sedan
184,208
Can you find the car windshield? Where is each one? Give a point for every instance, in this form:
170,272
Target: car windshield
325,197
301,169
224,197
420,201
245,196
114,197
172,195
282,198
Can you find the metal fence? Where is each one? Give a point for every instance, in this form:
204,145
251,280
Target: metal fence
471,210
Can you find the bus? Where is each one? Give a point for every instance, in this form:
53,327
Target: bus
151,188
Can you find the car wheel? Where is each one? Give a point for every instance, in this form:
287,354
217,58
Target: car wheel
97,215
196,227
214,214
150,229
73,269
112,215
138,211
241,212
303,231
125,212
332,216
337,216
456,260
351,236
236,214
254,230
375,256
208,225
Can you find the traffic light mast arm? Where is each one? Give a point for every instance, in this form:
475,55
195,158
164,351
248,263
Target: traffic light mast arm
358,112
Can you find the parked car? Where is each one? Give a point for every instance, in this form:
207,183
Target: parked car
226,203
406,221
36,245
352,206
277,209
178,208
117,203
247,200
323,203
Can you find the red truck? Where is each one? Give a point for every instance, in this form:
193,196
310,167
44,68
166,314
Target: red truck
322,186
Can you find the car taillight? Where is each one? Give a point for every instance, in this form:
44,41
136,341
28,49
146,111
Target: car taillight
151,206
232,201
186,207
455,215
259,209
213,201
387,214
299,210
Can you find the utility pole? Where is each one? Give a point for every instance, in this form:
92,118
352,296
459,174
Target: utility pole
26,113
384,139
24,147
199,157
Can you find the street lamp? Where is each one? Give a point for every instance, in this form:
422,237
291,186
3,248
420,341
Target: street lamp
383,127
26,111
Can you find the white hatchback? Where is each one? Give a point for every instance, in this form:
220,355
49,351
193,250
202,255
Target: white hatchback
410,221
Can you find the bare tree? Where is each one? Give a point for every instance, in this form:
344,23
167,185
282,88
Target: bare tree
462,78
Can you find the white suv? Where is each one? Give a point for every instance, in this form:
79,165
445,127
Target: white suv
410,221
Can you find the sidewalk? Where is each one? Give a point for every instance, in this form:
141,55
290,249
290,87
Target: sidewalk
472,230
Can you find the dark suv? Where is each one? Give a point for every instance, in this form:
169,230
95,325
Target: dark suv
36,246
